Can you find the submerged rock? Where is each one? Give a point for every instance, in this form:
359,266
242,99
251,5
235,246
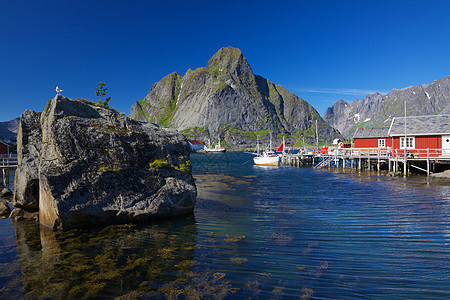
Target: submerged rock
5,192
26,183
5,210
99,167
19,214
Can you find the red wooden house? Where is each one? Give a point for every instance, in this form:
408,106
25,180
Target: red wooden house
417,135
4,149
372,137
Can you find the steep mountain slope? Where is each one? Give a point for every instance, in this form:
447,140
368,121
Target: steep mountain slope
225,99
378,109
8,130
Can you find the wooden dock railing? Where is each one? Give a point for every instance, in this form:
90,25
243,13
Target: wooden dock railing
8,161
389,153
361,158
7,164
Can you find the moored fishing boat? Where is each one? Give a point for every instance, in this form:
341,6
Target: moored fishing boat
217,148
266,157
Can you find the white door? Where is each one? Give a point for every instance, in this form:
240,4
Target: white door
446,145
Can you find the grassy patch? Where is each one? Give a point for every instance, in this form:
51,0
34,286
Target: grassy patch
47,107
186,167
159,164
106,168
102,105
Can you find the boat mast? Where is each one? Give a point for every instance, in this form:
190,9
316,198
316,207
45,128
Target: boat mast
257,145
317,138
270,142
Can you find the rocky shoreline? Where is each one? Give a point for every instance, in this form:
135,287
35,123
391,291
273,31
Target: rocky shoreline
445,175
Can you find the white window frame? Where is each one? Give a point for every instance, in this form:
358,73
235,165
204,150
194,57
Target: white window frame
410,142
381,143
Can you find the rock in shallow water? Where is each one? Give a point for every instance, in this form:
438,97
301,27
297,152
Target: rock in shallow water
19,214
98,167
5,210
5,192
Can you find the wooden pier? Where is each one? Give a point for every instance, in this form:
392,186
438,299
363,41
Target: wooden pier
397,161
8,163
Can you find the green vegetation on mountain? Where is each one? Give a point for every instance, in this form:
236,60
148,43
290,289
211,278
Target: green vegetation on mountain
140,111
253,135
194,132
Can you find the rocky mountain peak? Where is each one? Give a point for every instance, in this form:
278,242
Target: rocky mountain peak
229,59
225,99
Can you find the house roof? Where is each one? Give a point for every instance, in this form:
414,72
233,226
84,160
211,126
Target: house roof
4,144
195,142
420,125
371,132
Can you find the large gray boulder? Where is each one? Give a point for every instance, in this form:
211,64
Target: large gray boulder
26,183
99,167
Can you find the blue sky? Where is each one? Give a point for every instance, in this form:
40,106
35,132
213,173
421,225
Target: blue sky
322,51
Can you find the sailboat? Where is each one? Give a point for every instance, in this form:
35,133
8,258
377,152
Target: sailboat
267,157
217,148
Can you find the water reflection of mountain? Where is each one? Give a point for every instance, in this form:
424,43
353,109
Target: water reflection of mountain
126,260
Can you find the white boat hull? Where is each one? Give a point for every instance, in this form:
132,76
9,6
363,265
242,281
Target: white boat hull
266,161
215,150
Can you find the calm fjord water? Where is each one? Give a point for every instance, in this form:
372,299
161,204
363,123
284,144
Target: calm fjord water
257,232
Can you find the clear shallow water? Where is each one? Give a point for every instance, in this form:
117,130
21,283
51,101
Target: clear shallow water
257,232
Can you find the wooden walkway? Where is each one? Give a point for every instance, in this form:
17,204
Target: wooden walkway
398,161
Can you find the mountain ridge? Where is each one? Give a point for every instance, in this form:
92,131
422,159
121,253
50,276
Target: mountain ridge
8,129
377,109
226,99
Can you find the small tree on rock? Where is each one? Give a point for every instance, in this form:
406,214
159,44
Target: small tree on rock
100,91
